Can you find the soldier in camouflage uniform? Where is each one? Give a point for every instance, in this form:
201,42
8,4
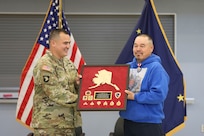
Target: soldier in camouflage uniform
56,90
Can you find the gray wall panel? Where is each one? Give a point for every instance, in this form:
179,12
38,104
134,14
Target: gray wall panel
100,39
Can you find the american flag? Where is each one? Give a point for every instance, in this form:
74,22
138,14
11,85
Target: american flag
26,92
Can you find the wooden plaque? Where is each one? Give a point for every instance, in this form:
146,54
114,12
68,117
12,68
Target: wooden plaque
102,87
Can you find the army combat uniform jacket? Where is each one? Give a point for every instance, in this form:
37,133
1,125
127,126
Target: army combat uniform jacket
56,94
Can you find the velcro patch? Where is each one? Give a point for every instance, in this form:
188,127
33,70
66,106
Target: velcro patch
46,78
47,68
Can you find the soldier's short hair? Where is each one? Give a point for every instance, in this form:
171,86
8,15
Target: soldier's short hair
56,32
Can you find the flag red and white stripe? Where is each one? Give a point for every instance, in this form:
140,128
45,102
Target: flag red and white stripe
26,91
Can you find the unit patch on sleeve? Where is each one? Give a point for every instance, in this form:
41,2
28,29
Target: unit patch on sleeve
46,78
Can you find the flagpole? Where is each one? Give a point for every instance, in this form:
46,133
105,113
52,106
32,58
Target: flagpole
60,14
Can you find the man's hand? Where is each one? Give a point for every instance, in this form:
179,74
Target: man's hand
130,95
78,79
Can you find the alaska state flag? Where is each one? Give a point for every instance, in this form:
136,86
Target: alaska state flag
175,104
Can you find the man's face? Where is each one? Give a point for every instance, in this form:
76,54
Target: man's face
61,45
142,48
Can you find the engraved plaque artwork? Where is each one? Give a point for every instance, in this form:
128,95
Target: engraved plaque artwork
102,87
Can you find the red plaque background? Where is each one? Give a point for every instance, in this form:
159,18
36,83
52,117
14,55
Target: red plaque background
102,87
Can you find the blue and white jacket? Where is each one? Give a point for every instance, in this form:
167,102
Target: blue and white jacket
147,106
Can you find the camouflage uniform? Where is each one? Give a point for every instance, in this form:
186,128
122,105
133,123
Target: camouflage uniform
56,94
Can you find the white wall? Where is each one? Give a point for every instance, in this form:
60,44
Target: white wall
8,124
189,52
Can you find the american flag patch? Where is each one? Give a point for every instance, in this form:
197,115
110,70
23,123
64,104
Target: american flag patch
46,68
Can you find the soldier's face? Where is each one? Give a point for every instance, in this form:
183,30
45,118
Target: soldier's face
62,44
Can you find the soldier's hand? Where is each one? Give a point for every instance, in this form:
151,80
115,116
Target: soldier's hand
78,79
130,95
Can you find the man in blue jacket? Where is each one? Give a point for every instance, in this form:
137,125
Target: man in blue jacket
144,111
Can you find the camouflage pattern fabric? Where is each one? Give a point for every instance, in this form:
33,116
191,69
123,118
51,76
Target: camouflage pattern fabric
56,94
54,132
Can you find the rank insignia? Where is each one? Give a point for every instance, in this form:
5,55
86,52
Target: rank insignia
46,78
